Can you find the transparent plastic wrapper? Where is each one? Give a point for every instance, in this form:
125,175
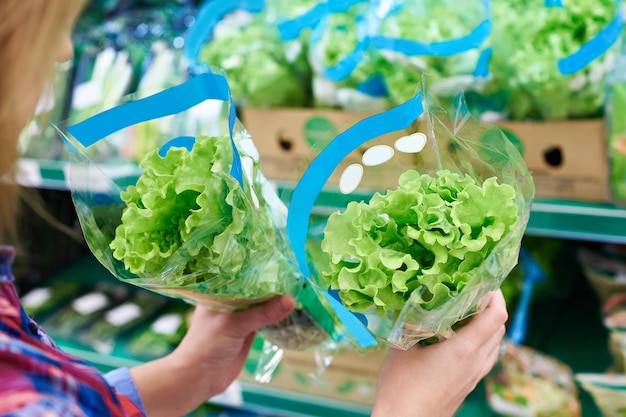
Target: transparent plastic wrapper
416,260
451,45
615,108
526,383
39,139
345,66
136,52
552,58
196,219
243,38
607,391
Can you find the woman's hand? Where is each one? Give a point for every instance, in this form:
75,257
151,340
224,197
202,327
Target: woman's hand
434,380
207,360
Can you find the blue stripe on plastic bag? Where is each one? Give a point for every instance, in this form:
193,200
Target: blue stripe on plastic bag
409,47
553,3
291,29
317,174
172,101
208,16
593,48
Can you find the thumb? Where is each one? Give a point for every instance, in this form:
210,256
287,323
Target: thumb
245,322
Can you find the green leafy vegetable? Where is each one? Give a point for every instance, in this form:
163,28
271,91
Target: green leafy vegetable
262,70
438,21
417,243
528,41
187,222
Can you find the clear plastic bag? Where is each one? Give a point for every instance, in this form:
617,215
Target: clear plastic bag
345,67
415,261
242,38
552,58
196,219
451,45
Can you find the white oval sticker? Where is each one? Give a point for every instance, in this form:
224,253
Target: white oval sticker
411,144
377,155
350,178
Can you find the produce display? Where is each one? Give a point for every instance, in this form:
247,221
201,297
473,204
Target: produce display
451,48
552,62
85,310
524,384
246,43
345,68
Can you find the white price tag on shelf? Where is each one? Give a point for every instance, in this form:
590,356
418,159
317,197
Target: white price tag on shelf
87,94
167,324
90,303
36,297
232,396
123,314
28,173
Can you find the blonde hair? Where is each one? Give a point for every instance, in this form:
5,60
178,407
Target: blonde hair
31,34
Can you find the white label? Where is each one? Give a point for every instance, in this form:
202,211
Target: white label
90,303
123,314
167,324
28,173
36,297
377,155
350,178
87,94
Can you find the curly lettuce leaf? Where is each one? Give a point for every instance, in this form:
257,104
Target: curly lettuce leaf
188,222
418,243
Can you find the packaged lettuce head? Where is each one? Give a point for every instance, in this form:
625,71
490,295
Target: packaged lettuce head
450,45
345,67
415,260
195,219
552,57
242,38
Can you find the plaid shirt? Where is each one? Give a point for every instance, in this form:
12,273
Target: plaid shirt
39,380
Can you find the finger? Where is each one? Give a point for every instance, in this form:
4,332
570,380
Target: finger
484,324
244,322
492,359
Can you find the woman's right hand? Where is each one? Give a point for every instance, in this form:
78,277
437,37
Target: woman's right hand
434,380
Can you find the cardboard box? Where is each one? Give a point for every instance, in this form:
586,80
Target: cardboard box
289,139
568,159
350,376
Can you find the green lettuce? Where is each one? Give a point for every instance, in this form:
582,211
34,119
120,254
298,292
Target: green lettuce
439,21
528,41
417,243
262,70
188,223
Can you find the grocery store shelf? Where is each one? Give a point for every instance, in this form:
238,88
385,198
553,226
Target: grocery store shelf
578,221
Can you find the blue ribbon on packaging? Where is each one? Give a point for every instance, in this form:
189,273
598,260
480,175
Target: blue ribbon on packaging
208,17
207,86
594,48
317,174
